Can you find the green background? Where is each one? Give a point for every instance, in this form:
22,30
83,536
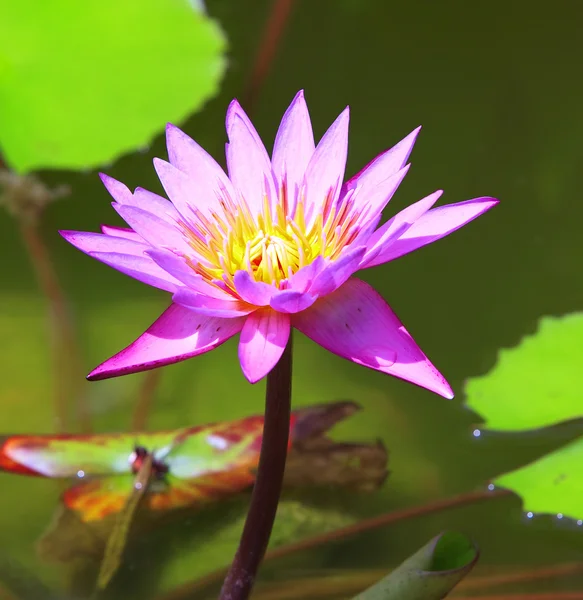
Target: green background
496,87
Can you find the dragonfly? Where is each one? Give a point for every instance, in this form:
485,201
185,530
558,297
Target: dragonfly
191,467
117,476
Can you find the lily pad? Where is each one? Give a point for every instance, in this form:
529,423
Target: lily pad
537,383
552,484
84,82
430,574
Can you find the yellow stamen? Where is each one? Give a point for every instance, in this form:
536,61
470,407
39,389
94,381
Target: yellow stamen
272,245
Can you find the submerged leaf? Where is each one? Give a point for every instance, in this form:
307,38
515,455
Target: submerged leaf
553,484
82,83
537,383
430,574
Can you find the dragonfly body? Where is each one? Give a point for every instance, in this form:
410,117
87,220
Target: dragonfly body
189,467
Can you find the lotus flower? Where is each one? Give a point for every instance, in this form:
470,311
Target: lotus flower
272,245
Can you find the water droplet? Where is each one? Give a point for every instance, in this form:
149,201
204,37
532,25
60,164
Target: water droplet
80,474
559,515
529,515
138,485
476,433
491,487
580,522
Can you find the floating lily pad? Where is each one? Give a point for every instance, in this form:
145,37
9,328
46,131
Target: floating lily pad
552,484
537,383
83,82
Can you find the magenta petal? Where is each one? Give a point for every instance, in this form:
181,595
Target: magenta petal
356,323
190,158
302,280
152,203
177,267
262,342
432,226
142,268
291,301
248,163
255,292
87,242
337,272
122,232
187,194
384,165
293,148
211,307
119,191
177,335
396,227
125,255
373,201
154,230
326,167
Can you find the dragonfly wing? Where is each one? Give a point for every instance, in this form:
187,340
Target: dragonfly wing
68,455
97,499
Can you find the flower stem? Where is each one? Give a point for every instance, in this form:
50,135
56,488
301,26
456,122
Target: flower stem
68,368
271,38
187,590
267,489
147,391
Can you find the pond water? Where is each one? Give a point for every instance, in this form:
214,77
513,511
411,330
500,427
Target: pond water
497,89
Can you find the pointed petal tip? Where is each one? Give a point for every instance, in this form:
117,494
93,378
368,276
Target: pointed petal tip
251,377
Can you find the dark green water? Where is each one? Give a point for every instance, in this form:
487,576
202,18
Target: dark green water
497,88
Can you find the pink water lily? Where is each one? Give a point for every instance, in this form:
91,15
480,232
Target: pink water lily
270,246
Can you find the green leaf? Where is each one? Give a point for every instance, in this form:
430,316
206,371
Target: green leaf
216,534
82,83
552,484
117,541
536,384
430,574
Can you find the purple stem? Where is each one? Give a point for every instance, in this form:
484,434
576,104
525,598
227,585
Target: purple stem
267,489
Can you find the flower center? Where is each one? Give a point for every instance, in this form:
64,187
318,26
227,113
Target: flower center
271,246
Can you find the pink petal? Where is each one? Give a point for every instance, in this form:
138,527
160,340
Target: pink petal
177,335
141,198
255,292
291,301
152,203
190,158
384,165
302,280
155,231
293,148
337,272
432,226
119,191
247,160
325,170
396,227
263,340
122,232
177,267
124,255
187,194
87,242
373,201
211,307
356,323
